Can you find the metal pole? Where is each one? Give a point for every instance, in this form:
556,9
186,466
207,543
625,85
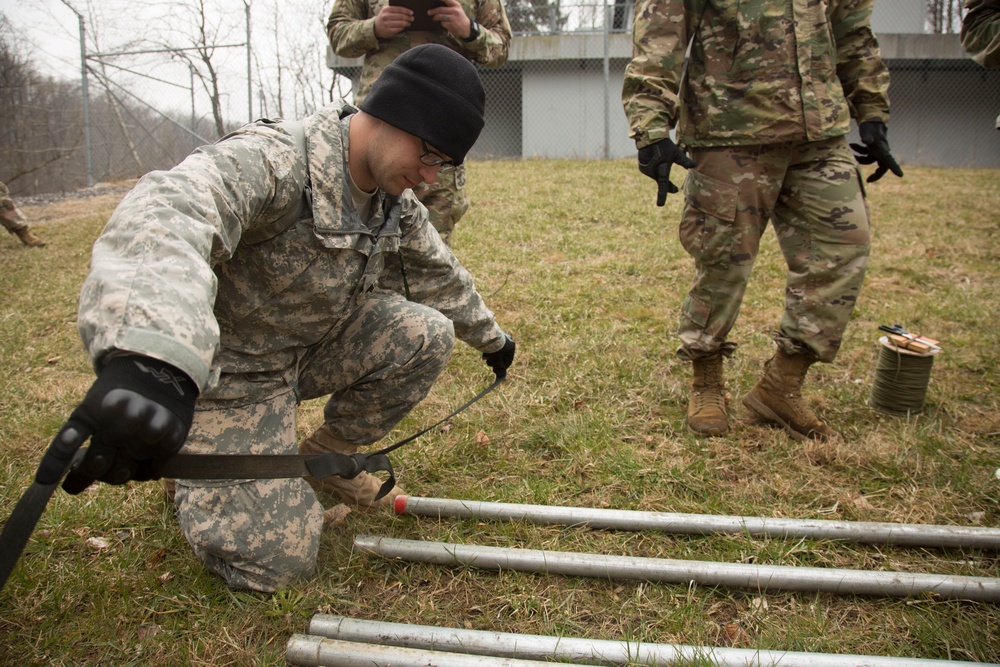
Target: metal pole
311,651
86,99
246,5
194,118
588,651
709,573
900,534
607,80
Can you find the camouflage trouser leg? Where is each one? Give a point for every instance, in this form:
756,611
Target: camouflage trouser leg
379,367
10,215
262,534
255,534
813,193
445,200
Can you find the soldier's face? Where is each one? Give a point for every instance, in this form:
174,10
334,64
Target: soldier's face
394,161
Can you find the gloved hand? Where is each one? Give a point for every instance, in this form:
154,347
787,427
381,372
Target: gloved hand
874,147
501,360
655,161
137,413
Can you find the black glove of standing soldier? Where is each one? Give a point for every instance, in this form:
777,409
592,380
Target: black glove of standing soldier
501,360
655,161
874,147
137,413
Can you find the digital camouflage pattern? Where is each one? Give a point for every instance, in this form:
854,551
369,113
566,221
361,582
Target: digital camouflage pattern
351,29
813,196
261,534
757,69
195,268
981,33
10,215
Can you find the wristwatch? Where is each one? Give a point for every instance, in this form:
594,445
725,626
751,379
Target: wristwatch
473,31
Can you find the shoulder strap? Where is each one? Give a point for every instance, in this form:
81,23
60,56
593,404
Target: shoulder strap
269,231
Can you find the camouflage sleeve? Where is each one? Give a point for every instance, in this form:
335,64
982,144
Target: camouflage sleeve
651,88
351,28
862,73
151,288
437,279
492,46
981,32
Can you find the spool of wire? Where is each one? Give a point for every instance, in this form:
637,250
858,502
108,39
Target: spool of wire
901,379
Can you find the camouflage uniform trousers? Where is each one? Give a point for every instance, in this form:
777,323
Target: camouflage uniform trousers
445,200
813,194
10,215
262,534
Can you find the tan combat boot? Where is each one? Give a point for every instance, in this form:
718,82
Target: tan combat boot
29,239
777,398
707,402
361,490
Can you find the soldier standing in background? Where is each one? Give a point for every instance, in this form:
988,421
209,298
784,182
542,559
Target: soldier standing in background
763,107
981,33
14,221
379,32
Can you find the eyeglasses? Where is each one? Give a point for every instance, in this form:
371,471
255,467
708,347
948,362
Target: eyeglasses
432,159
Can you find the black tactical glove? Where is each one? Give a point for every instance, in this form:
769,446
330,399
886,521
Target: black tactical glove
874,147
501,360
655,161
137,413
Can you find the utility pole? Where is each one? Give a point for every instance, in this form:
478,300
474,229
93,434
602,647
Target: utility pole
84,94
246,5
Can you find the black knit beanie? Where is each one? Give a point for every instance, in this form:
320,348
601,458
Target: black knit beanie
432,93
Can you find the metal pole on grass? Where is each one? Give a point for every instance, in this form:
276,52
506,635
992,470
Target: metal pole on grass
310,651
588,651
900,534
709,573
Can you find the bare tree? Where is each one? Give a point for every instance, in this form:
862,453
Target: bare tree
531,16
193,32
944,16
36,134
294,52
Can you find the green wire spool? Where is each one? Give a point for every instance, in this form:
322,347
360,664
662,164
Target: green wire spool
901,379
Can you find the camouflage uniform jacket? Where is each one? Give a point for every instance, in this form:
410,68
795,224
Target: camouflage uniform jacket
351,29
981,32
759,72
196,268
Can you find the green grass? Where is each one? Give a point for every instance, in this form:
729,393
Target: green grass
588,276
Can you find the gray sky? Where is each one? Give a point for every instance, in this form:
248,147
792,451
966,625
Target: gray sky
291,37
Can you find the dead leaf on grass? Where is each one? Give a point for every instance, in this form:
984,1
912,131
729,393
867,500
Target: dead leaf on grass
97,543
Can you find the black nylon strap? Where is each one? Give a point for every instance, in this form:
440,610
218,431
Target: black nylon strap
21,524
275,466
23,520
32,504
413,437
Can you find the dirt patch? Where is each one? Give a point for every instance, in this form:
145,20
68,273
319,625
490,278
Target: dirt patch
56,206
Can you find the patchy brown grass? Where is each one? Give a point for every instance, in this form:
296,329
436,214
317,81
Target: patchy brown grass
587,274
